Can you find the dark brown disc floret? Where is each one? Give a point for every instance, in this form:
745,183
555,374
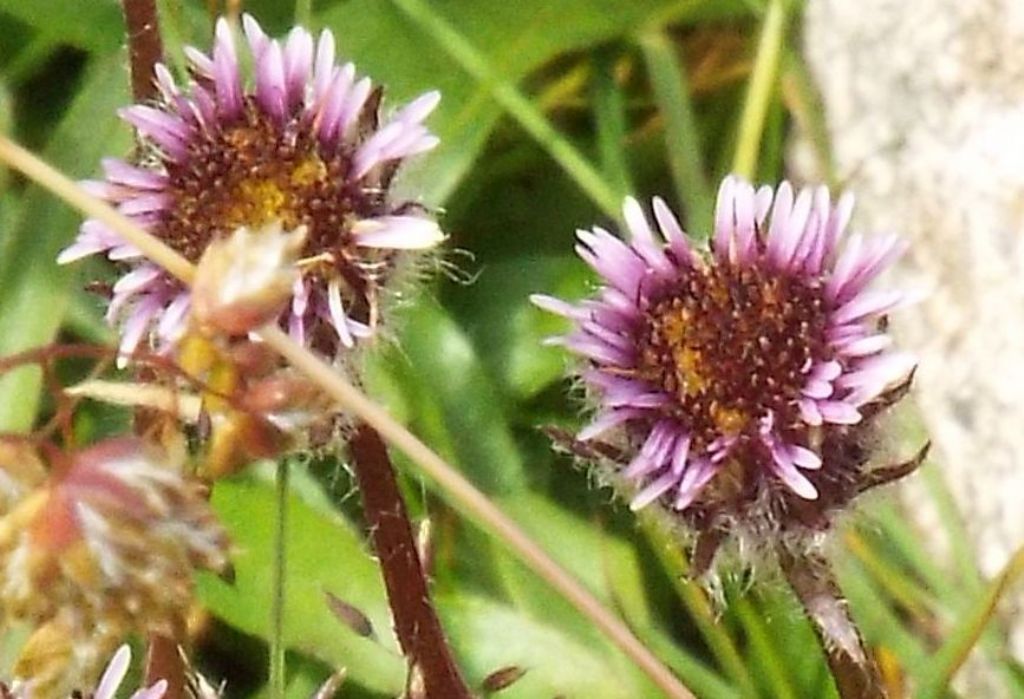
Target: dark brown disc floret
254,171
732,344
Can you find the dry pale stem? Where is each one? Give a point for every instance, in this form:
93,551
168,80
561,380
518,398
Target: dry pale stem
474,503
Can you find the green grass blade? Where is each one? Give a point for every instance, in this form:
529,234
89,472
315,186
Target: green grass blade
514,102
762,86
35,289
959,540
967,631
763,651
610,122
673,561
875,617
800,95
900,534
906,592
682,139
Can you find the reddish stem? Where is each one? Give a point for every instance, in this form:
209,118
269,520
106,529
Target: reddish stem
144,45
416,623
163,662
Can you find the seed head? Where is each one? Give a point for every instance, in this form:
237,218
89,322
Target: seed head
106,545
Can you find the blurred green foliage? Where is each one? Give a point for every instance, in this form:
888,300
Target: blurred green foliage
651,93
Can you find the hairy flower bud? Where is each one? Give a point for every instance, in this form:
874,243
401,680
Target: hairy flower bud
246,280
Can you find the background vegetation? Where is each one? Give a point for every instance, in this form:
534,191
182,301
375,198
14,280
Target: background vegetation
658,98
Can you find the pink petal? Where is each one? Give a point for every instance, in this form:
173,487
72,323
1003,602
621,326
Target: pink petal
114,674
724,216
338,315
871,303
654,490
156,691
559,307
323,66
672,231
838,412
397,232
606,421
271,91
784,468
694,479
804,457
809,412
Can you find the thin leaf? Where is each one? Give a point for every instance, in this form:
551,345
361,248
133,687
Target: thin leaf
762,86
871,611
944,665
764,651
900,534
512,100
610,121
325,554
35,288
952,519
906,592
801,98
682,138
454,387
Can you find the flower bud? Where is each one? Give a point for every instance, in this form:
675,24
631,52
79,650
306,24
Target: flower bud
246,280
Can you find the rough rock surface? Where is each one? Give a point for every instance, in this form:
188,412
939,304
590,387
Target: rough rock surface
924,103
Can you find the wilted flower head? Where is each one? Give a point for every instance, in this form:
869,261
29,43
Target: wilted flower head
301,145
741,379
107,544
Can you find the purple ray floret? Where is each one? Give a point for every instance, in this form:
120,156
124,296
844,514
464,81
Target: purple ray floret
721,367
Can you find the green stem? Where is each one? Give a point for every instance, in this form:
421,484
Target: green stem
277,649
531,119
762,86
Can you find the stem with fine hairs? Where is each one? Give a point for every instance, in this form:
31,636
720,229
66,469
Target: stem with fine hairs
145,48
416,624
164,662
460,491
853,668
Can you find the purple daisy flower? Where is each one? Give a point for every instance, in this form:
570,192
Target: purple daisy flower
734,372
301,145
